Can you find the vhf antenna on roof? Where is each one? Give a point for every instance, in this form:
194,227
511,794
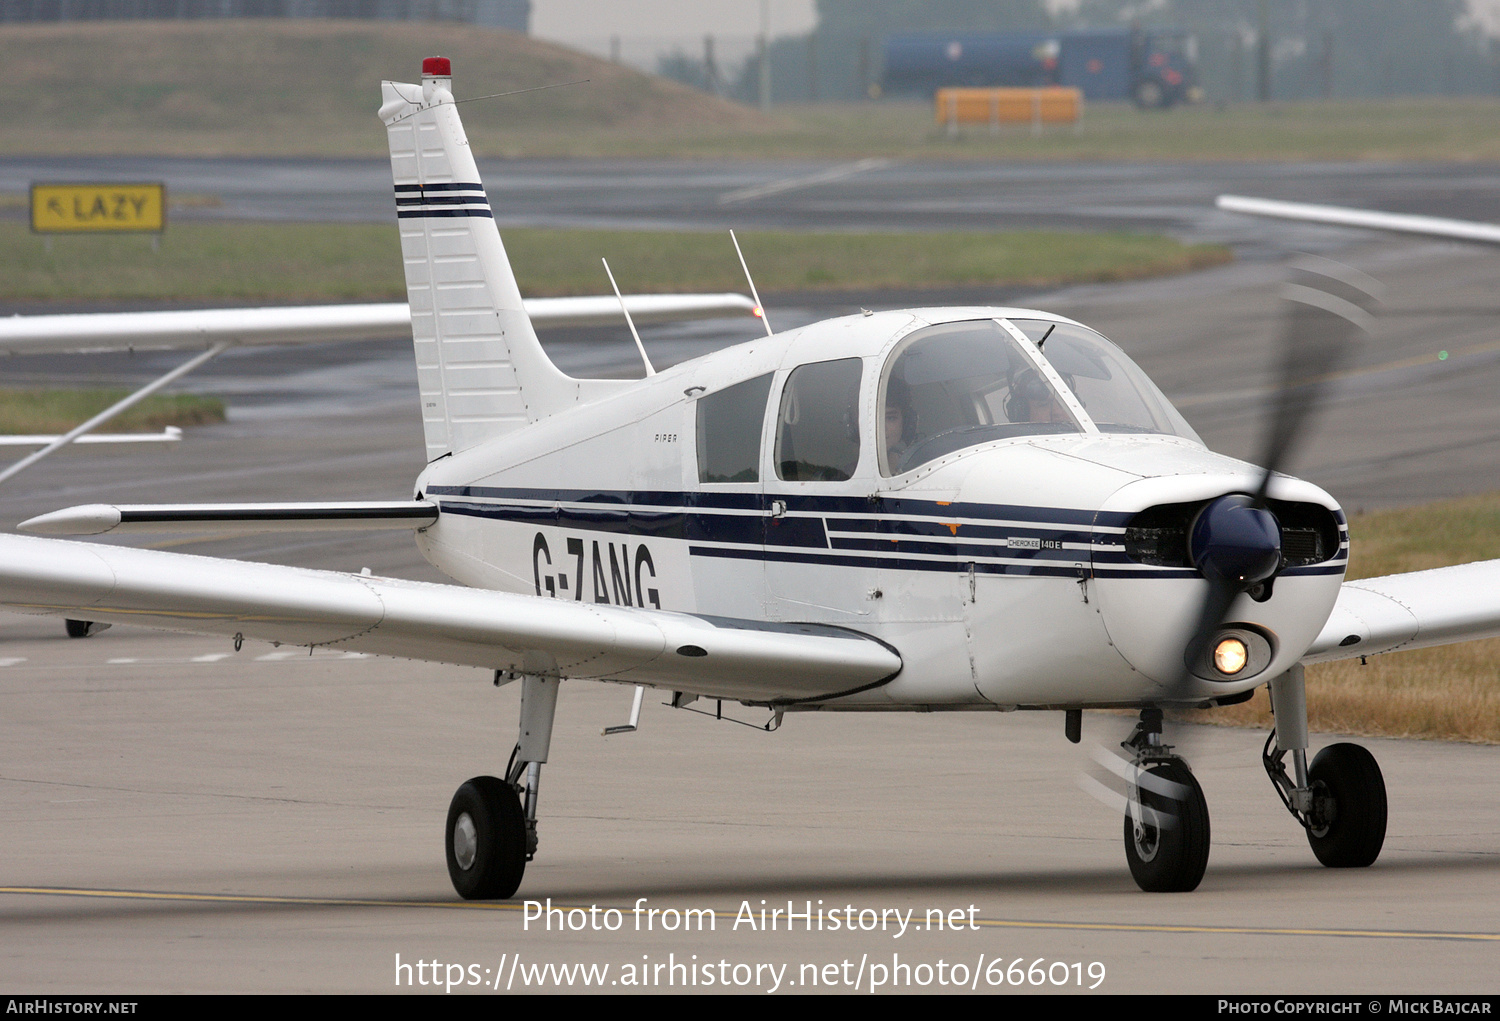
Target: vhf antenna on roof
628,321
760,309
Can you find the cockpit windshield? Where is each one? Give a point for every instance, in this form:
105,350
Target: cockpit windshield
955,385
958,384
1117,395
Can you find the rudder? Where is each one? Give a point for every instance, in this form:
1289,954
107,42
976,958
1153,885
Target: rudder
480,368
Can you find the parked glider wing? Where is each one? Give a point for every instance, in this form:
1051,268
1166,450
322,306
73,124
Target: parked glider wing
1342,216
711,657
1411,611
321,324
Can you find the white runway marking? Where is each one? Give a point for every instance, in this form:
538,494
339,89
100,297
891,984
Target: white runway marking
12,660
760,191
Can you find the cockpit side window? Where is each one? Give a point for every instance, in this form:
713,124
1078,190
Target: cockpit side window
729,430
958,384
817,431
1117,395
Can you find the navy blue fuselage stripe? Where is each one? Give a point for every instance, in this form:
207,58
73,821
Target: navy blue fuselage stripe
406,214
1040,517
959,549
797,540
439,187
743,529
942,529
444,200
884,563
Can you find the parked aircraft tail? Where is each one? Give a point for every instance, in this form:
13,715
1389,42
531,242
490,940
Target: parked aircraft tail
480,368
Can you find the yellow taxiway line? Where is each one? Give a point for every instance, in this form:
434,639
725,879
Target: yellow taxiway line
989,923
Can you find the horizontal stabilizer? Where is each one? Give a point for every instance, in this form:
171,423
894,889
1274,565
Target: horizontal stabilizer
171,434
321,324
1411,611
99,518
711,657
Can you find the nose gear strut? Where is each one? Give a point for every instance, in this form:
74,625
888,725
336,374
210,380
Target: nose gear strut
1166,825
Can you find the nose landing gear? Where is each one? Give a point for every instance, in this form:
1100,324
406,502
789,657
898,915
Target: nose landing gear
1166,826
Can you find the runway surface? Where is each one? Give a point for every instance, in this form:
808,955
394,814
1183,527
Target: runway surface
175,816
1174,199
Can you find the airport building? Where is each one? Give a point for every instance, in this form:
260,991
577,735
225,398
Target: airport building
511,14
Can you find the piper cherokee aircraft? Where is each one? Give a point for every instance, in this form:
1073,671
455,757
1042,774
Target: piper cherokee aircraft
951,509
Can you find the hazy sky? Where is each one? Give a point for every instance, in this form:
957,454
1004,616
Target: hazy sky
569,20
581,20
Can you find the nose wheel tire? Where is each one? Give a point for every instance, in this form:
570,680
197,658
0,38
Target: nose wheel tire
1347,827
486,840
1168,850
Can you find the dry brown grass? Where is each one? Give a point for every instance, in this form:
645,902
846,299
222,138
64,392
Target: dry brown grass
310,87
1449,693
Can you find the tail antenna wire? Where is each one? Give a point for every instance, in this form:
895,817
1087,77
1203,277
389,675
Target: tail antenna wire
759,308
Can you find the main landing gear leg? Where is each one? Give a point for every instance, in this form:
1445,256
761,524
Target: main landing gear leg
1166,828
492,822
1339,799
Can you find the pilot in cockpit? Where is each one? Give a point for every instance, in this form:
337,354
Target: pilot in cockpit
900,423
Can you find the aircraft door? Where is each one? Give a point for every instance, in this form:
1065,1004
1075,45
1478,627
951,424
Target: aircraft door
817,505
724,527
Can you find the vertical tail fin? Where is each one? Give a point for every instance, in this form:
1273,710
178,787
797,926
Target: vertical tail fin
480,368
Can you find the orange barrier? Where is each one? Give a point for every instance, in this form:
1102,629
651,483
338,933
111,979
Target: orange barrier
1050,105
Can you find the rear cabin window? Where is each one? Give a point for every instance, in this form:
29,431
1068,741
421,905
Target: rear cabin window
729,425
817,430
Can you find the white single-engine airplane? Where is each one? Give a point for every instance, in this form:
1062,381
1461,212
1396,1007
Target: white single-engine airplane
931,509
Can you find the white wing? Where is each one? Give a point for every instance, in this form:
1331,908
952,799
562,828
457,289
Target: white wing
1411,611
707,656
1341,216
318,324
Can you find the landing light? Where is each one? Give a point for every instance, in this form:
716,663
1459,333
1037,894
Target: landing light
1230,656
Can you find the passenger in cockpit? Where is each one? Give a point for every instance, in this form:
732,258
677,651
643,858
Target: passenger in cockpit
1032,400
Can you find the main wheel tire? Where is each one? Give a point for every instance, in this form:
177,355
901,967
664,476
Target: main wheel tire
1349,807
1170,858
486,840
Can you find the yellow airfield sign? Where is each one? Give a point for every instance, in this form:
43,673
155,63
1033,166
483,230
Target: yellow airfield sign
98,208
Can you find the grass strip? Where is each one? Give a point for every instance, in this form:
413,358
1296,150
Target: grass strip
356,262
32,412
1449,693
